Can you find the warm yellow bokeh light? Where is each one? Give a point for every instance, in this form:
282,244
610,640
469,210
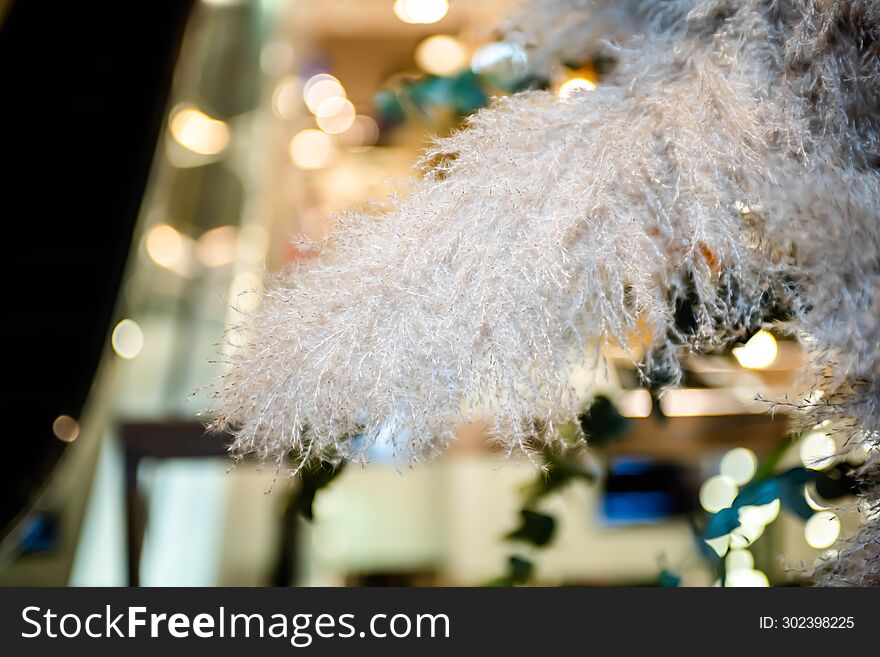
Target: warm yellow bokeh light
575,85
198,132
335,115
739,560
746,534
758,353
746,577
65,428
286,98
421,11
817,450
822,530
316,92
718,493
311,149
760,515
217,247
739,464
441,54
315,79
635,403
720,544
814,504
364,132
127,339
165,246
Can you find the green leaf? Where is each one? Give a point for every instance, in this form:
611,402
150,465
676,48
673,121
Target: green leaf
521,569
602,423
314,478
536,528
563,466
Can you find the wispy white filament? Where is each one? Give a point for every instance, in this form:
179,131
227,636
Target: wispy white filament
730,161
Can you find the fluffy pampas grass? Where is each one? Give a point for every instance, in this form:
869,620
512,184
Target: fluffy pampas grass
729,162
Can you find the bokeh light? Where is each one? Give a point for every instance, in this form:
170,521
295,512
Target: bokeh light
198,132
746,534
127,339
717,493
217,247
441,54
746,577
739,560
421,11
758,353
287,97
502,59
335,115
65,428
319,88
812,502
817,450
575,85
364,132
165,246
311,149
822,530
739,464
759,515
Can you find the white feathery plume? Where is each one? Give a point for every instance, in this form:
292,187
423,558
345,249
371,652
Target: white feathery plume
730,162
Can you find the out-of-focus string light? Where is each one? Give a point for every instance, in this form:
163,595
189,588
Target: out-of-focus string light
759,515
817,450
500,57
335,115
746,577
739,464
822,529
746,534
720,544
165,246
635,403
198,132
319,88
718,493
421,11
217,247
814,504
287,97
758,353
65,428
364,132
315,79
311,149
441,54
127,339
575,85
739,560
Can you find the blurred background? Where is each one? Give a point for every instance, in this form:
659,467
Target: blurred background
200,139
